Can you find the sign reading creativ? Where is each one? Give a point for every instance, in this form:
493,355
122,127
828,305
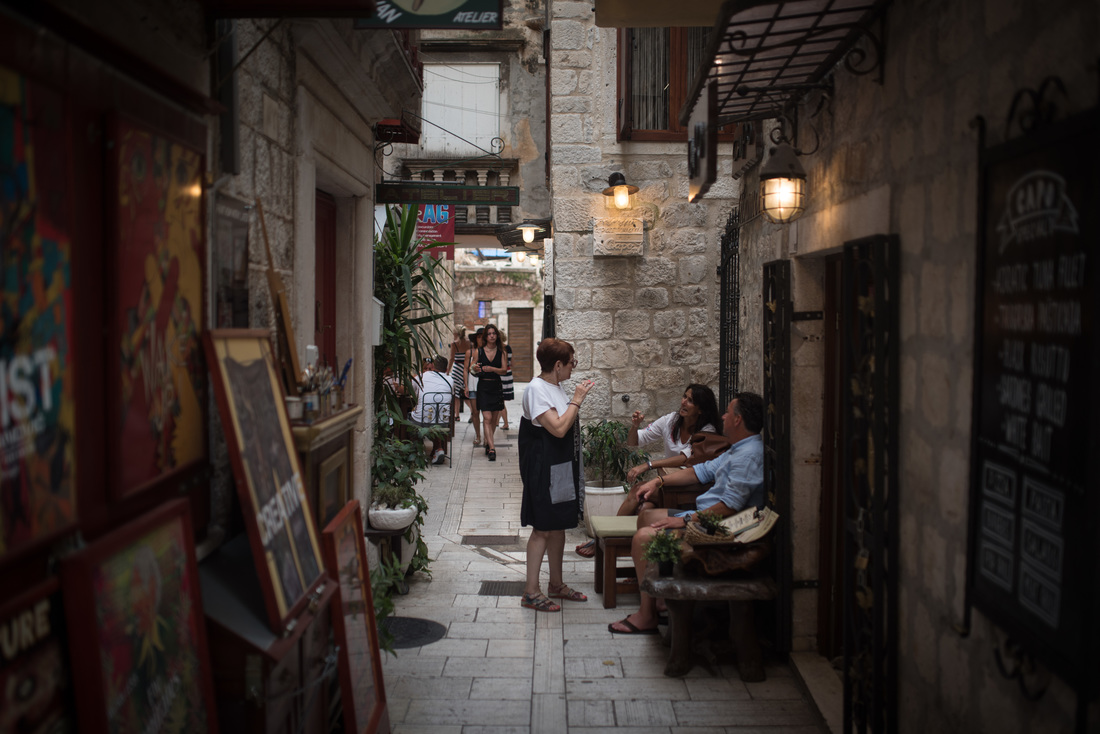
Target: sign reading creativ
395,193
466,14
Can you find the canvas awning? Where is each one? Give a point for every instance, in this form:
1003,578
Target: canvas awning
767,54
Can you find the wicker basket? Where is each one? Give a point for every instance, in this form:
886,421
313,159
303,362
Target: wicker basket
696,535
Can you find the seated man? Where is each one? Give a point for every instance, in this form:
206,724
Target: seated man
433,388
738,476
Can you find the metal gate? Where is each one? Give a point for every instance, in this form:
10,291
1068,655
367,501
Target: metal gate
777,432
869,460
730,303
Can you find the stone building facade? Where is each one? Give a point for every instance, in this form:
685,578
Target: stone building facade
644,325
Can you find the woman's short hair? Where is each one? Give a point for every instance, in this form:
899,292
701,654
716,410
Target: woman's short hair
551,351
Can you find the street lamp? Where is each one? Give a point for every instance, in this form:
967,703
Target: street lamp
529,231
783,186
619,193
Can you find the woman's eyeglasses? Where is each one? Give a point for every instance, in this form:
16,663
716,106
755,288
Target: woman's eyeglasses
573,362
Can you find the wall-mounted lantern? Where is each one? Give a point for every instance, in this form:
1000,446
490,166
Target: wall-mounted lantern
620,194
529,230
782,186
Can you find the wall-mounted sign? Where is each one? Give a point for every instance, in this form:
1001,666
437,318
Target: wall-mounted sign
426,193
1034,479
703,143
617,237
435,223
747,148
465,14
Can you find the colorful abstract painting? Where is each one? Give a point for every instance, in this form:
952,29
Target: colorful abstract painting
149,639
159,311
37,415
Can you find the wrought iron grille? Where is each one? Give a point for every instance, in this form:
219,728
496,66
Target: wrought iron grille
730,300
869,459
777,432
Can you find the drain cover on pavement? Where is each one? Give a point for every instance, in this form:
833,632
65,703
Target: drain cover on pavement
489,540
413,632
501,588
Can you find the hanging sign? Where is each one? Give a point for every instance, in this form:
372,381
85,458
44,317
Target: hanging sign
435,224
1034,479
427,193
465,14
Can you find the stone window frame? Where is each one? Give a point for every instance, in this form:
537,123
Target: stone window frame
679,87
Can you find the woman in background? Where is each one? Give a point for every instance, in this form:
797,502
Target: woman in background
550,467
489,367
476,342
456,366
506,379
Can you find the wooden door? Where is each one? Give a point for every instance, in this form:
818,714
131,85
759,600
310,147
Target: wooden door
521,339
324,333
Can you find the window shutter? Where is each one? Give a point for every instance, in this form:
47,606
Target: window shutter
623,112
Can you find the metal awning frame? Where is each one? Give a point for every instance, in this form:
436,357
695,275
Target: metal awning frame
769,54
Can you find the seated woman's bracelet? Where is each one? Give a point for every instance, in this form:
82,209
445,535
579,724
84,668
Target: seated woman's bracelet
576,404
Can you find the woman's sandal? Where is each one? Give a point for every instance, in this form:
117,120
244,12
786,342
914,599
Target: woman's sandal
492,454
539,603
564,592
586,550
477,440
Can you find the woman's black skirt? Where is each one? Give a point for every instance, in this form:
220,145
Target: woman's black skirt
490,394
551,471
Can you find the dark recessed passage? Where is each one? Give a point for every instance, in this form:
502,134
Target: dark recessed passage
502,588
490,540
413,632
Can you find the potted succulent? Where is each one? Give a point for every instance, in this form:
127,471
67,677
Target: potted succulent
664,550
607,459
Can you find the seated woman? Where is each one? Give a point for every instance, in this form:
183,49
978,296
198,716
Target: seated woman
698,412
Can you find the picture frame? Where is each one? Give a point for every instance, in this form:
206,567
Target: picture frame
136,629
363,690
332,486
38,485
157,239
268,475
35,678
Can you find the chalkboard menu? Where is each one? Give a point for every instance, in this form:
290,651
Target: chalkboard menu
1035,455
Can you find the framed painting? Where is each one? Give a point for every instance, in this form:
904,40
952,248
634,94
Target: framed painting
136,628
265,465
332,492
37,408
156,403
35,680
363,692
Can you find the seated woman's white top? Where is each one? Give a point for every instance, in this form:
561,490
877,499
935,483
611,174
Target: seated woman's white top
540,396
662,429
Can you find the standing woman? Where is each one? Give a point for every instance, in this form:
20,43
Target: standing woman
456,366
506,379
489,367
550,467
471,384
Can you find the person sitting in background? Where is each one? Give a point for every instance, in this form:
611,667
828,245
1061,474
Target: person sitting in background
433,389
698,412
738,477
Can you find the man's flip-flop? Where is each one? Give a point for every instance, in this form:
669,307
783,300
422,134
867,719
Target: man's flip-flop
630,628
586,550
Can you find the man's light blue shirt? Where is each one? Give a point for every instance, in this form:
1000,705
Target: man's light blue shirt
738,476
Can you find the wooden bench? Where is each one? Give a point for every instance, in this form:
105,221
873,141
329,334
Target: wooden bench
614,534
680,593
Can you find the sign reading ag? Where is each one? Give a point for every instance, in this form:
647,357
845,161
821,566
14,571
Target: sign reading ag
467,14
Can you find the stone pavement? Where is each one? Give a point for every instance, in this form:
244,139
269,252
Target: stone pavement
503,669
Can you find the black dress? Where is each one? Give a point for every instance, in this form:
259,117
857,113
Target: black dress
550,468
490,391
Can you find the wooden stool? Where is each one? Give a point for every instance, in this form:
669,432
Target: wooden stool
613,538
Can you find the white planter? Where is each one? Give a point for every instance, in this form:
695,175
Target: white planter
601,501
390,519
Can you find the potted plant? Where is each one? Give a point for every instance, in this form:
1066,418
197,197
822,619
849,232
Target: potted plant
711,523
664,550
607,459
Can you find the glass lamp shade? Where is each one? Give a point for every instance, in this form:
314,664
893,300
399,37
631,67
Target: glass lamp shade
783,200
529,231
619,194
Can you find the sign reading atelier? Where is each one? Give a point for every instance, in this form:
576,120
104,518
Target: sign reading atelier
1034,472
403,193
465,14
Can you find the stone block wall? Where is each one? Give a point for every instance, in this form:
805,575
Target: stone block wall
644,326
902,158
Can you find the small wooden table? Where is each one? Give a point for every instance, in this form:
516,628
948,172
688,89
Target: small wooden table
680,594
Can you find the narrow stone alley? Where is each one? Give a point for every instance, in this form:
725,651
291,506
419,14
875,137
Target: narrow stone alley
503,669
